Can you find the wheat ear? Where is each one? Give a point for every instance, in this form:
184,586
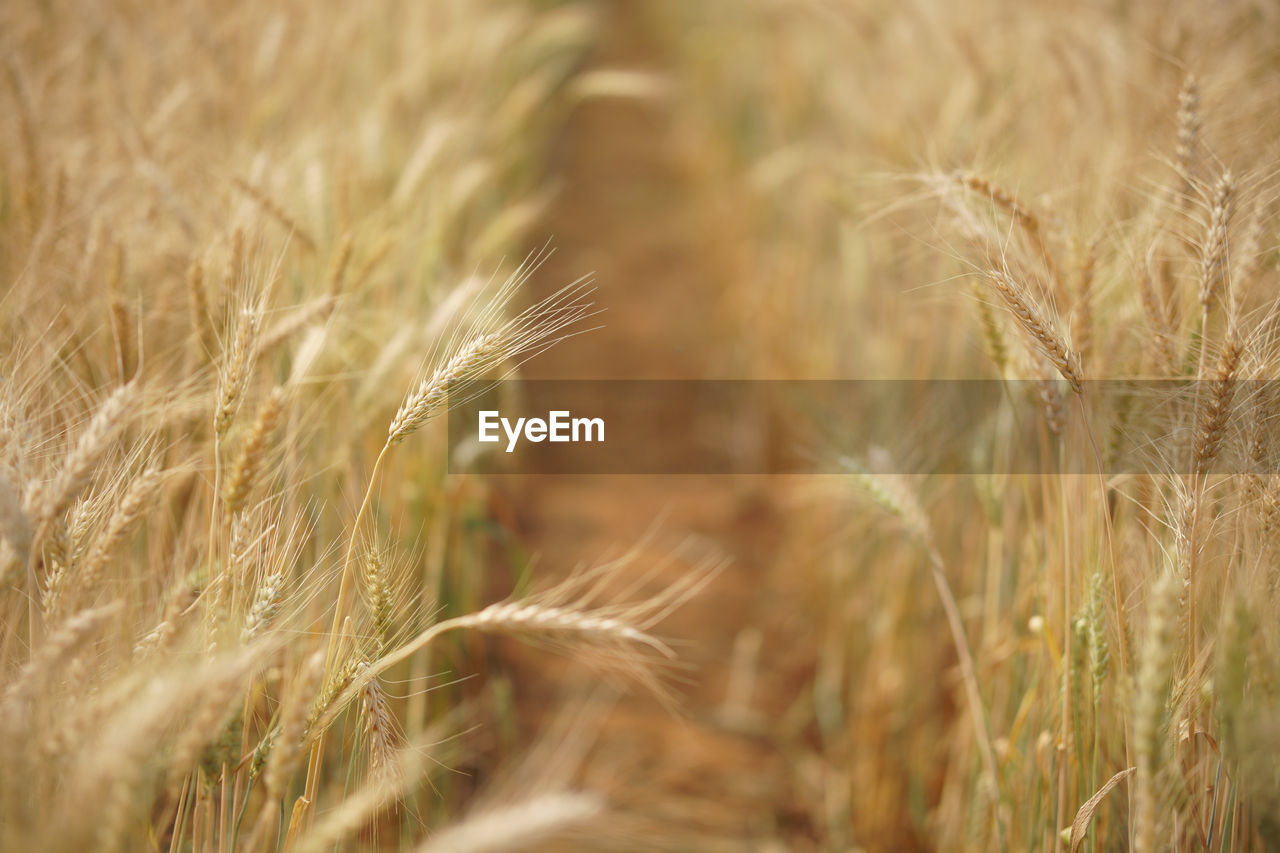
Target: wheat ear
122,325
1046,340
525,335
1188,137
288,745
1214,409
122,520
1159,322
377,585
236,373
244,473
198,301
381,736
54,497
1213,252
47,660
1023,215
276,212
528,334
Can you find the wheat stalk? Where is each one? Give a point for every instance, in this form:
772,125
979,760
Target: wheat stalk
338,266
529,333
539,818
1154,671
894,495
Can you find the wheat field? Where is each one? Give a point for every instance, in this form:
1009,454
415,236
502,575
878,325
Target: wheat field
255,595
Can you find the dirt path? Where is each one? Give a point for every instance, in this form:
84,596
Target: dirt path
642,212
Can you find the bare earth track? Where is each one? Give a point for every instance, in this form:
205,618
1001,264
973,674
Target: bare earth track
637,211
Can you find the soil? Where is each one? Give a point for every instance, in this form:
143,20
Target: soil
644,207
